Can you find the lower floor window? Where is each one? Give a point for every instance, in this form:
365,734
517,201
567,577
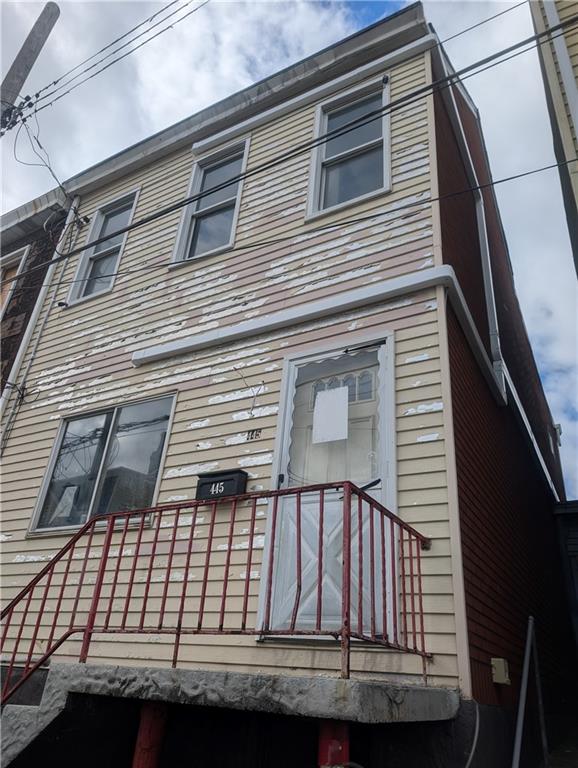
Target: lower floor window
106,462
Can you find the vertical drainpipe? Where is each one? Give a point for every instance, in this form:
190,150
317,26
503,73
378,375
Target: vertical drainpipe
30,328
333,744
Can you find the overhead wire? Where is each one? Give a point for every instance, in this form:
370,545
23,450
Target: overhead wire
336,225
104,48
448,81
31,102
124,45
19,111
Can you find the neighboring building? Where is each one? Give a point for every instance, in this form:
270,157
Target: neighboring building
345,316
26,247
559,62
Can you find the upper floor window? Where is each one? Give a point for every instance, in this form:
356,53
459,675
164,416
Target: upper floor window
209,222
10,266
99,264
353,164
106,462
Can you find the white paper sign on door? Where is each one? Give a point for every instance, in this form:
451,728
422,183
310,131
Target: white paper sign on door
330,415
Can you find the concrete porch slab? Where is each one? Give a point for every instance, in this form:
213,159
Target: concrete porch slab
358,701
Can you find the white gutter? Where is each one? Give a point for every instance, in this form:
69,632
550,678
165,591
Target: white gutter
33,320
491,311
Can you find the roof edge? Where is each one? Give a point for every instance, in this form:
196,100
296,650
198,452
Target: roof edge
395,31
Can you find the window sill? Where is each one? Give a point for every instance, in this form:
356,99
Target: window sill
82,299
318,641
70,530
315,215
178,263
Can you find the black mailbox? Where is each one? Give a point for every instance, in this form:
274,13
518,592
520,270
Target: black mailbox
215,485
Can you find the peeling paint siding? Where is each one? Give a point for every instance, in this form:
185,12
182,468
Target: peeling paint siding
154,296
421,479
84,362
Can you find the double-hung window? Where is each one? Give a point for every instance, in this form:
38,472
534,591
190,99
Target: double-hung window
99,264
106,462
210,220
353,162
10,266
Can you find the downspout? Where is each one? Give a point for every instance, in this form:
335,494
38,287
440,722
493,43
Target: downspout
494,332
30,328
495,347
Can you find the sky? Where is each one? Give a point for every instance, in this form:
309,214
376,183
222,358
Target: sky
226,46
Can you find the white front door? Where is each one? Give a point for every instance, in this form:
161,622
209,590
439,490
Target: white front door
334,432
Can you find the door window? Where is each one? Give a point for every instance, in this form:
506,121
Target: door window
334,435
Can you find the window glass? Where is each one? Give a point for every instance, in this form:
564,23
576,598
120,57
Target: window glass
130,472
359,135
354,458
349,382
120,450
365,387
75,473
112,221
213,230
101,274
353,177
7,275
218,174
211,224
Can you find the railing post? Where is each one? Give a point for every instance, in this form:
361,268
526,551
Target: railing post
333,747
346,582
97,590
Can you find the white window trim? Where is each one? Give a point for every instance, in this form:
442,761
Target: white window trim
9,260
81,275
314,209
33,529
185,230
388,450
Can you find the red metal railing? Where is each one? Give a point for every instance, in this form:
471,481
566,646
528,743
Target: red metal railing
332,562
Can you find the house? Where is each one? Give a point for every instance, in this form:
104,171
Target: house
26,247
284,488
559,64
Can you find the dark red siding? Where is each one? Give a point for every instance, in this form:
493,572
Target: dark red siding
460,238
509,544
514,340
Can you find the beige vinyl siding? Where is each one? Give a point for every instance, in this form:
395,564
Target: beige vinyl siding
422,495
83,362
565,11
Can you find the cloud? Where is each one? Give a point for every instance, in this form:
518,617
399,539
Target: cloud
517,132
226,46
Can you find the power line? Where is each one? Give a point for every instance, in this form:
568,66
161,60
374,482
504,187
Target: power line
335,225
124,45
19,116
105,48
31,102
402,102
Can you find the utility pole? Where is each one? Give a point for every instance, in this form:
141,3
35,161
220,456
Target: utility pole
24,61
